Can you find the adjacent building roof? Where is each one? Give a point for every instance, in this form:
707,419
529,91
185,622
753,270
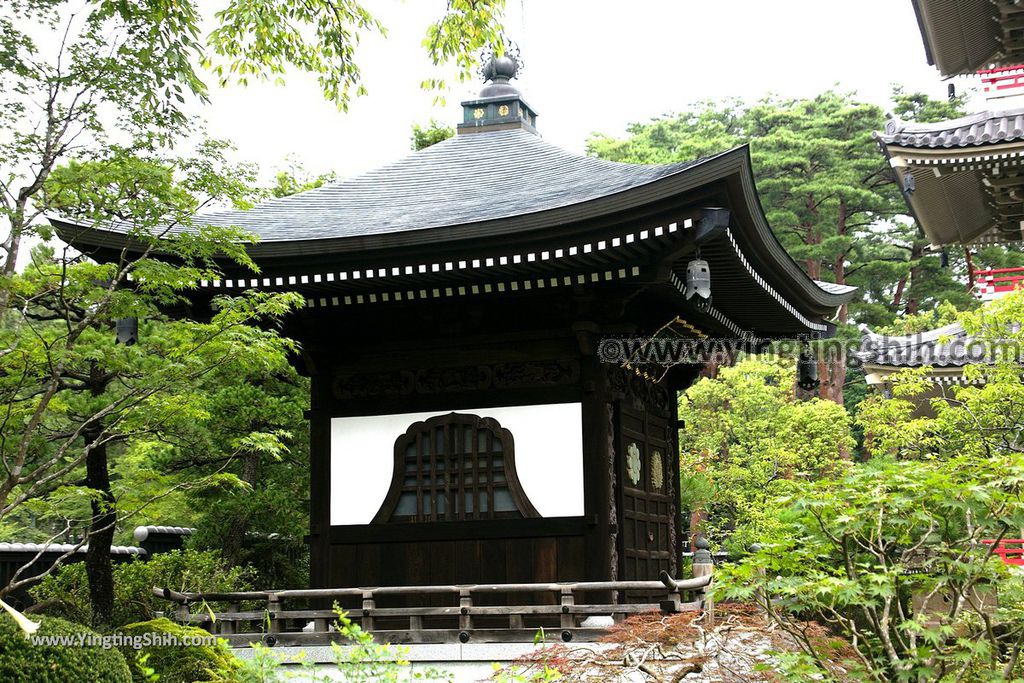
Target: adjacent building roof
987,127
141,533
61,548
962,36
962,178
947,346
945,350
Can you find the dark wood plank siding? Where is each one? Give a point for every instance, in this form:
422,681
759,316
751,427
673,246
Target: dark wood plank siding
523,559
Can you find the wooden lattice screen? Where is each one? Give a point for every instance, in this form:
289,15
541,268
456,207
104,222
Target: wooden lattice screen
452,467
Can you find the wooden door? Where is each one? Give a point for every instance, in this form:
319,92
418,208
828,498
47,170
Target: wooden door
646,478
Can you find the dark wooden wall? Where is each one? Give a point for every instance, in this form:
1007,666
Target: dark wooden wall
524,352
442,553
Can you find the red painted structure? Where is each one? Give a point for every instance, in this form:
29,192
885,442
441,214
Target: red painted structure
992,284
1002,82
1009,550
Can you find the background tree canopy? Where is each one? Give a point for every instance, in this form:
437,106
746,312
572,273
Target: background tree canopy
194,422
827,193
895,555
745,438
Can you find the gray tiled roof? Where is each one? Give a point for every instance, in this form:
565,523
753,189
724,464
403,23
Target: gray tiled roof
947,346
465,179
141,533
474,186
985,127
65,548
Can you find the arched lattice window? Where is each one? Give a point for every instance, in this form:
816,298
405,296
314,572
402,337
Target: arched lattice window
455,466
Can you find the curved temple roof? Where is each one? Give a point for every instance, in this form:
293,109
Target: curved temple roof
465,179
509,196
473,179
962,36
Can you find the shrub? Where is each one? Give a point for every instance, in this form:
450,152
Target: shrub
21,660
357,659
67,591
891,557
177,663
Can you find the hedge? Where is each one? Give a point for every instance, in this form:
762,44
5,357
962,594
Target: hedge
176,663
21,660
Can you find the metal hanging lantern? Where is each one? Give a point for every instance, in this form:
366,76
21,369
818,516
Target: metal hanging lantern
807,371
127,330
698,279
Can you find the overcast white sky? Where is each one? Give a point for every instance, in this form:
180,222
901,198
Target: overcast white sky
591,65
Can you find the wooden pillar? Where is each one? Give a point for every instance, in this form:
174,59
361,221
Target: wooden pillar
465,605
319,483
672,477
599,548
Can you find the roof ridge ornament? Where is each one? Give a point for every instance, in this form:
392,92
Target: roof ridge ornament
895,124
501,68
497,70
499,104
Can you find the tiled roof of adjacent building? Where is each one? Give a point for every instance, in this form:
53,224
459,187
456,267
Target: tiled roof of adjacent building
65,548
987,127
947,346
141,533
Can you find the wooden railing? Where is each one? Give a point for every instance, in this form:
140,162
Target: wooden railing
1009,550
437,614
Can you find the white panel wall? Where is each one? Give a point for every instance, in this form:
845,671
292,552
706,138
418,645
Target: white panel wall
549,458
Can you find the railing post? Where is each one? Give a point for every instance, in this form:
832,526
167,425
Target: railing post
369,604
465,603
227,627
273,609
182,613
703,565
568,619
674,602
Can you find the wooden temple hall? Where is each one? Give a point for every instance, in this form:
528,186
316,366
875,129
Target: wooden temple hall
464,427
